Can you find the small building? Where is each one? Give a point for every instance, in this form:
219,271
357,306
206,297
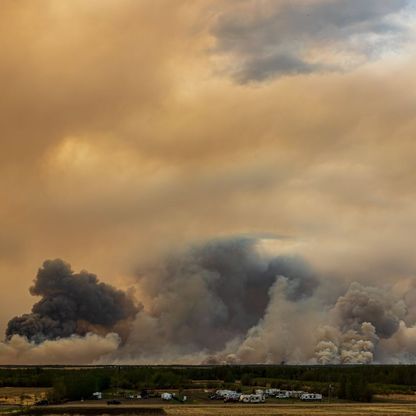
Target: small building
97,395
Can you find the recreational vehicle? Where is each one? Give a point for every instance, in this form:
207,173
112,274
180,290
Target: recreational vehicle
311,396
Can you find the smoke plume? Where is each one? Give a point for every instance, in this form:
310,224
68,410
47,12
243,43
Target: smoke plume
71,304
206,297
369,304
222,301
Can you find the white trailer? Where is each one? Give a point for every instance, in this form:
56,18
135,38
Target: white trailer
232,397
252,398
295,393
245,398
166,396
257,398
225,393
272,392
311,396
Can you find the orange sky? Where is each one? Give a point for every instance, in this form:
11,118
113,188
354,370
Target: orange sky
129,128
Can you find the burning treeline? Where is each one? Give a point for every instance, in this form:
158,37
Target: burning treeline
219,302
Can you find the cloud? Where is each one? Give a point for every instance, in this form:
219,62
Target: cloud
143,145
268,39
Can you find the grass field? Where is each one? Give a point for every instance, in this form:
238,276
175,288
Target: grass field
385,405
350,409
11,396
295,410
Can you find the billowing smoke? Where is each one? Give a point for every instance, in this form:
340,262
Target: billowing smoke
369,324
369,304
350,347
224,301
71,304
209,296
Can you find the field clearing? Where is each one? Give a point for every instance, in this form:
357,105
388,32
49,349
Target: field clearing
294,410
395,397
313,409
11,396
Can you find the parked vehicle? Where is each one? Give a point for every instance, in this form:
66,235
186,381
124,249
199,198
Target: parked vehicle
42,403
245,398
311,396
272,392
252,398
295,393
257,398
232,397
114,401
166,396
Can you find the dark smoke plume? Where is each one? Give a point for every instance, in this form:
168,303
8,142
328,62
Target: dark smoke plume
213,293
71,303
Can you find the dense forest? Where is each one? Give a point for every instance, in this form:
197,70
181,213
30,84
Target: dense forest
355,382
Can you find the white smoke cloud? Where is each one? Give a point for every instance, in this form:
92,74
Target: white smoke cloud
282,335
350,347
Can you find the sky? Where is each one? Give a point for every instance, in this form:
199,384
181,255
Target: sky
137,132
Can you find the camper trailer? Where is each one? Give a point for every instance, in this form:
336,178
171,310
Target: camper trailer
295,393
271,392
252,398
223,394
311,396
166,396
232,397
257,398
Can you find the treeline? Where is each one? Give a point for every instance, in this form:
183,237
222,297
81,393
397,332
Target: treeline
355,382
